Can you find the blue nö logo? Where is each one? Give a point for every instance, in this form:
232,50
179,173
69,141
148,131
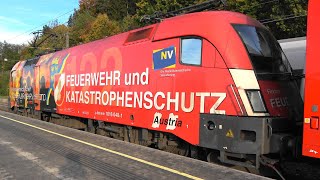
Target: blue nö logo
164,58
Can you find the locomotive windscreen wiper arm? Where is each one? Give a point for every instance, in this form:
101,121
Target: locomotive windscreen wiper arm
283,75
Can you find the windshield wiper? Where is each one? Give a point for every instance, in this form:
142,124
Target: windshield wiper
281,75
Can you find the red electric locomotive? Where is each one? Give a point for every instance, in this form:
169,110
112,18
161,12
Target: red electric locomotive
206,82
311,132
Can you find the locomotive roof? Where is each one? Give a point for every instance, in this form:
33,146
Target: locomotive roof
183,25
216,26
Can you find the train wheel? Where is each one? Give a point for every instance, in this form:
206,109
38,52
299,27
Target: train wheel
39,116
46,117
11,109
213,157
182,149
15,109
31,113
90,127
24,112
27,112
197,153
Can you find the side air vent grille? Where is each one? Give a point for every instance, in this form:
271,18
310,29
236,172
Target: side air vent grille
140,35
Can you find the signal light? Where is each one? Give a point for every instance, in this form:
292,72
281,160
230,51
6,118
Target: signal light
314,124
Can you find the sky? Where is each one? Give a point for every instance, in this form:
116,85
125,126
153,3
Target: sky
19,18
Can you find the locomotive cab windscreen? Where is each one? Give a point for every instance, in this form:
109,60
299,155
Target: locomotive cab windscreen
279,89
265,54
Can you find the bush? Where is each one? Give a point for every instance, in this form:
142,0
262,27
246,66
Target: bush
4,83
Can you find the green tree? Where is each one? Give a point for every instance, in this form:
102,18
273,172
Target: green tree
10,52
248,7
130,23
87,5
54,38
27,52
288,18
285,18
81,27
147,7
102,27
4,85
115,9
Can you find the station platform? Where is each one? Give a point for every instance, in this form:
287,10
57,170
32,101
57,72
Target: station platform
33,149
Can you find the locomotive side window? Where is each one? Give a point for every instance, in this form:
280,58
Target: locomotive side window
191,49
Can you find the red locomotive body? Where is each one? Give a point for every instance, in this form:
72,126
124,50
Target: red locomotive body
215,81
311,132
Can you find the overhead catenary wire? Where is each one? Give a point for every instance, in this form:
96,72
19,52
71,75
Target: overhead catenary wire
292,16
284,17
40,26
266,2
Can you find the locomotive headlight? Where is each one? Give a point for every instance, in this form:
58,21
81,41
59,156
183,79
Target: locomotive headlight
211,125
256,100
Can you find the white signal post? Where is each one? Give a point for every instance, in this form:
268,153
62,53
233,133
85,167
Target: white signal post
4,60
